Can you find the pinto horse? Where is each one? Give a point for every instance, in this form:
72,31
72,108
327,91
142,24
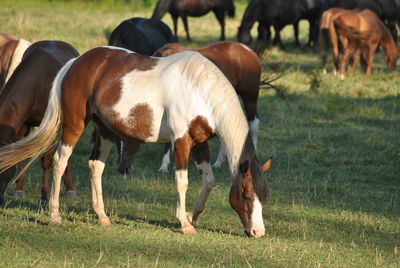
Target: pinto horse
134,96
242,68
23,103
11,51
194,8
141,35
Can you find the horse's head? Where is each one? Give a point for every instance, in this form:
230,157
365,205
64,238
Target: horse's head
244,36
391,57
248,195
169,49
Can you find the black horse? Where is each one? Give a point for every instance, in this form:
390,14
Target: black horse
194,8
278,14
141,35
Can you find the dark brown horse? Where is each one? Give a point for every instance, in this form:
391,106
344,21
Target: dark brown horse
194,8
23,103
183,98
11,50
242,68
361,33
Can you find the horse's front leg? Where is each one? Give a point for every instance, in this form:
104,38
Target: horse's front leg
175,22
201,156
185,24
181,157
221,19
97,161
166,159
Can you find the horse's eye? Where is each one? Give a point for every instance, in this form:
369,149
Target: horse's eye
246,197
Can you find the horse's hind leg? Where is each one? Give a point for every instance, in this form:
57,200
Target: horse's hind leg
166,159
296,33
97,161
61,157
185,24
175,22
201,156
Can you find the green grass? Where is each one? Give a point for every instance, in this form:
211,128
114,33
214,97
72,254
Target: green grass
334,182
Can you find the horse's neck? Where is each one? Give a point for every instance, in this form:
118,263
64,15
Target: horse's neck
387,41
250,16
232,130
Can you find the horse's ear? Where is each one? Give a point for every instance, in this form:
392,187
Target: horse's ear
267,165
244,167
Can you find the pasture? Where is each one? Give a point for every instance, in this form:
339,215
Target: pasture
334,181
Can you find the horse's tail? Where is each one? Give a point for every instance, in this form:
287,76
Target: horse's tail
160,9
45,136
325,25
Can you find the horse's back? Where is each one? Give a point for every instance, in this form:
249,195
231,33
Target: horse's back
141,35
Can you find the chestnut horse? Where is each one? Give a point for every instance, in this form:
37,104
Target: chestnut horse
363,32
328,36
134,96
242,68
24,100
11,51
194,8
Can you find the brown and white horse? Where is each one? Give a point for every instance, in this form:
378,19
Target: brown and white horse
133,96
241,66
11,50
24,101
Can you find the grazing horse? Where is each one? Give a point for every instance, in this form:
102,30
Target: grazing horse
11,51
328,36
278,14
362,32
141,35
194,8
134,96
24,100
242,68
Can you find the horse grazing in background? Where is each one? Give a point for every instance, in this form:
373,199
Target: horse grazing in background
361,33
328,36
141,35
11,51
194,8
387,10
242,68
23,103
183,98
278,14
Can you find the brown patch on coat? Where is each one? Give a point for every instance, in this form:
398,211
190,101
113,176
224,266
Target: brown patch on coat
241,198
200,130
182,151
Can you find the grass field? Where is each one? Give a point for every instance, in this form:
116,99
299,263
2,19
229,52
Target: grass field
334,182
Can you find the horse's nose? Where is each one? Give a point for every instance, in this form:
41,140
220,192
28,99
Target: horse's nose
256,233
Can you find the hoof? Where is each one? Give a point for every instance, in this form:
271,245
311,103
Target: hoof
19,193
55,220
162,171
3,201
216,165
70,194
188,230
189,216
104,222
43,204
